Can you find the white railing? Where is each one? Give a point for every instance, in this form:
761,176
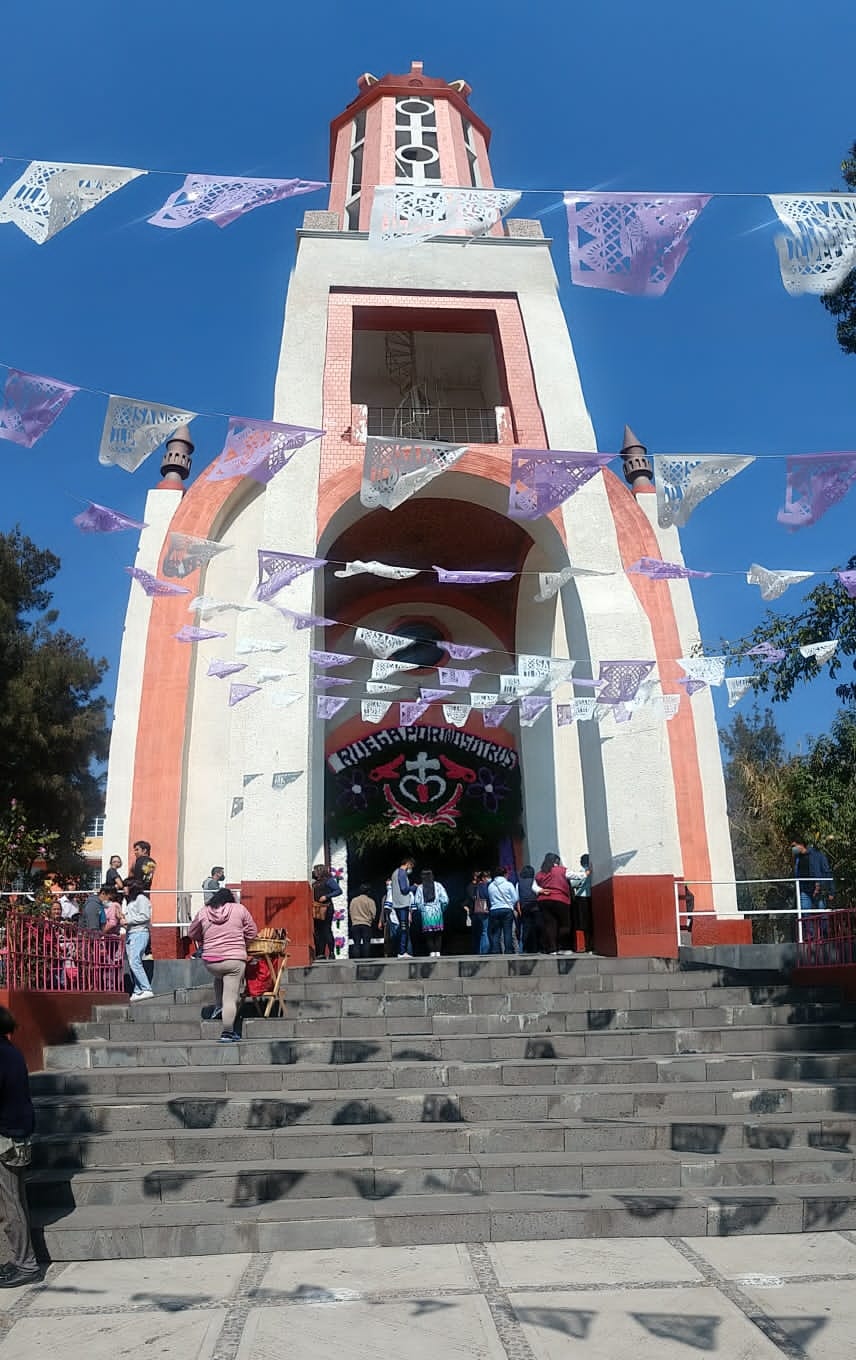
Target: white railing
794,888
188,901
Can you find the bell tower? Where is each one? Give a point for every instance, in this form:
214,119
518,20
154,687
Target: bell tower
409,129
393,348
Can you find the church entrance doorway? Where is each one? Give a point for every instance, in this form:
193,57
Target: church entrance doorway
446,798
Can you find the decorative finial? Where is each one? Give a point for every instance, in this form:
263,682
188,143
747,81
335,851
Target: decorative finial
178,457
637,464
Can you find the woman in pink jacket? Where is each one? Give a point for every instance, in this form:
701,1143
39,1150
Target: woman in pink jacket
224,928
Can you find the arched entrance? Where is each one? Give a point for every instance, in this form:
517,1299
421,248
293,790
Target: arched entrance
450,796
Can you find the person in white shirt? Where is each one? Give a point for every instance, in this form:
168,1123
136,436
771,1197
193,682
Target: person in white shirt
136,918
503,898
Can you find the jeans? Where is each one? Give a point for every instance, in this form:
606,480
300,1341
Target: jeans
501,927
481,944
136,945
403,914
362,937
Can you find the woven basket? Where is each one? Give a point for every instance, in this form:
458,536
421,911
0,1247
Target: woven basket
267,947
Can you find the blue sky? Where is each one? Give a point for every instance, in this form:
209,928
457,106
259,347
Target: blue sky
723,97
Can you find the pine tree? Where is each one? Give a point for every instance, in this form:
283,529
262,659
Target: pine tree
53,726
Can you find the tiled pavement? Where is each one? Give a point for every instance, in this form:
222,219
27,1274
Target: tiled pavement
741,1298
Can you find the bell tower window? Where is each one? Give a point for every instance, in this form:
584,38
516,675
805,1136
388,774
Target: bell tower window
355,171
417,154
472,154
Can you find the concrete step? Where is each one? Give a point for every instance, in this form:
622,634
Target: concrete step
633,1012
266,1141
676,989
183,1229
262,1181
609,1044
661,1090
420,1068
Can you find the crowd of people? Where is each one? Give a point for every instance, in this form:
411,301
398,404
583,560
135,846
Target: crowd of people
505,912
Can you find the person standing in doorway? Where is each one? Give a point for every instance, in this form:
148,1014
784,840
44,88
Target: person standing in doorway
213,883
555,899
530,910
137,918
363,912
224,928
503,898
324,889
431,901
17,1122
401,894
581,915
479,913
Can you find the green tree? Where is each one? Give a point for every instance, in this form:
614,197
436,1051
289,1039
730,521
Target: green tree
755,759
53,727
842,303
775,798
826,612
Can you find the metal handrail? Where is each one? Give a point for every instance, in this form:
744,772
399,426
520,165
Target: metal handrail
797,910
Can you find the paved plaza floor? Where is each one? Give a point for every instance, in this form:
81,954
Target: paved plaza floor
745,1298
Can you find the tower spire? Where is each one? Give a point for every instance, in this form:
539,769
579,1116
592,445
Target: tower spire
637,464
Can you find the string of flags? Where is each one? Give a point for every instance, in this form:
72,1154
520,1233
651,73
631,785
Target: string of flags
277,570
620,688
626,242
394,469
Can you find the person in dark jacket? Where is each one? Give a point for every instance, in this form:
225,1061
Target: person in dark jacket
324,889
816,887
530,910
143,870
17,1121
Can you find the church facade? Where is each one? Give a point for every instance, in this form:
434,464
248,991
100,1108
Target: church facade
458,340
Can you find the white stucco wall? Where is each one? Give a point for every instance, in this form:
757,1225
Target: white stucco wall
161,505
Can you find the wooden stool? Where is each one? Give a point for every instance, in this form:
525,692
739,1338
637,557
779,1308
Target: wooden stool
276,954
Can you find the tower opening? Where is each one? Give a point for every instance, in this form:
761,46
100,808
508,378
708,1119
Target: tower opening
428,382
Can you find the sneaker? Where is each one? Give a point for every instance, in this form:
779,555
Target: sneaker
229,1037
11,1275
405,956
142,996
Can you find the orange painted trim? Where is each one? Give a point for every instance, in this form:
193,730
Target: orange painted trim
636,538
490,462
341,172
162,724
372,159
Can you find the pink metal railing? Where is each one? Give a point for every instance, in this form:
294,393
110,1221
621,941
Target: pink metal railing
45,955
829,938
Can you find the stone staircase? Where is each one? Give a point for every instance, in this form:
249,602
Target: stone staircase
452,1100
